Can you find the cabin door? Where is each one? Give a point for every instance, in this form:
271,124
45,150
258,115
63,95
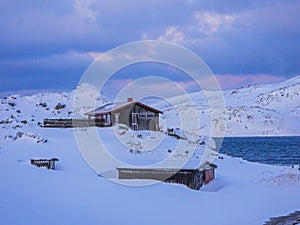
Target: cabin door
134,121
117,118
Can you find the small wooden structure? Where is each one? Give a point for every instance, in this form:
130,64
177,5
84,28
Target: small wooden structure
69,123
47,163
192,178
135,115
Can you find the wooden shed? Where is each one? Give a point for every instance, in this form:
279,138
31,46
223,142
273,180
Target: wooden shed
194,178
134,114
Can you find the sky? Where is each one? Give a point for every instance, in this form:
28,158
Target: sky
48,45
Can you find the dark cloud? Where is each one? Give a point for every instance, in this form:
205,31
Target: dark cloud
260,40
233,37
54,72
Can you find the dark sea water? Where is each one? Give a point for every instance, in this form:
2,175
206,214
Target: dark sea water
268,150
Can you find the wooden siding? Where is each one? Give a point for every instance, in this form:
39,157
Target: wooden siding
192,178
146,119
47,163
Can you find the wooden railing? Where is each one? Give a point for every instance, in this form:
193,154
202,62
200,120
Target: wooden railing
69,123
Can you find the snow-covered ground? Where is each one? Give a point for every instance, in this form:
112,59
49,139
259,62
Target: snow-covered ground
242,193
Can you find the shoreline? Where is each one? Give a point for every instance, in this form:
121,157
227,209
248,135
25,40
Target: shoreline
259,136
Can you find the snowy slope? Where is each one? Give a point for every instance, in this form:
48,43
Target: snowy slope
22,112
243,192
256,110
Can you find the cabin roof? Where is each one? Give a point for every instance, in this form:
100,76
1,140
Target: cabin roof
117,106
168,165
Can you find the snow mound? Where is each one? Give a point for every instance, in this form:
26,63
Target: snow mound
282,180
138,141
26,136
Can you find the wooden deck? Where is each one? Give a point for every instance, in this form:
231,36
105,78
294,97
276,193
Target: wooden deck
69,123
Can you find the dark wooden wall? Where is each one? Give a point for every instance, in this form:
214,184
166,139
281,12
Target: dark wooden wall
146,119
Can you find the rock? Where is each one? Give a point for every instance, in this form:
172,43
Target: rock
43,104
60,106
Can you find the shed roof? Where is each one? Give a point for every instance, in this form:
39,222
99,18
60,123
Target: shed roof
169,165
117,106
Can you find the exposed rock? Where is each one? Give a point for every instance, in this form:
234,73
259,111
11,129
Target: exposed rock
60,106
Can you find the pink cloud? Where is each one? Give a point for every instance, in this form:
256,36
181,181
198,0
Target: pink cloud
119,84
228,81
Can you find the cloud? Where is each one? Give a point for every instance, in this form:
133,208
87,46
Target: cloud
258,39
82,7
149,86
157,86
239,37
209,23
228,82
200,24
171,34
58,71
39,32
26,92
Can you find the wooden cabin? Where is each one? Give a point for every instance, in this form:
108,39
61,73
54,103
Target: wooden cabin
134,114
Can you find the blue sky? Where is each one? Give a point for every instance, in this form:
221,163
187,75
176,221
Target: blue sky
47,45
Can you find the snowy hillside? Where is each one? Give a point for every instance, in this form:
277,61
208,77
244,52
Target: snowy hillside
243,192
256,110
27,112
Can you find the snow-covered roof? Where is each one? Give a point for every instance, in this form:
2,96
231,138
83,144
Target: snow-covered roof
117,106
169,165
